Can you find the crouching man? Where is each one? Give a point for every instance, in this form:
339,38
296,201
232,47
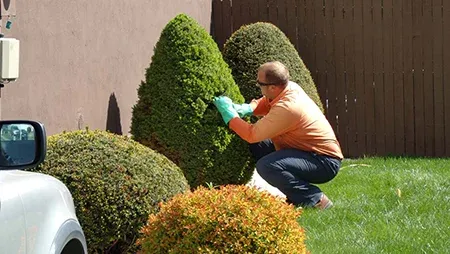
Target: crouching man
293,143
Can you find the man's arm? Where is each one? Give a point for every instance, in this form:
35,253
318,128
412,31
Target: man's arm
275,123
247,109
260,106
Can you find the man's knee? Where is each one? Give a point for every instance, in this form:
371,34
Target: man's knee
263,166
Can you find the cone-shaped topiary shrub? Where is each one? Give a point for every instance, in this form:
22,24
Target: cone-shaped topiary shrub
232,219
115,183
175,115
257,43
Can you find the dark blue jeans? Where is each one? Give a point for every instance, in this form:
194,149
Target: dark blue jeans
293,171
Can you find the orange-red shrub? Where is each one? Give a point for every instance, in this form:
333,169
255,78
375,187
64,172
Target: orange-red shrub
231,219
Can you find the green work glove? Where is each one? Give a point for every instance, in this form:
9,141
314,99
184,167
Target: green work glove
243,109
225,107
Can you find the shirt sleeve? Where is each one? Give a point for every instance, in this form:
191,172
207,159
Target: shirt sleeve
275,123
260,106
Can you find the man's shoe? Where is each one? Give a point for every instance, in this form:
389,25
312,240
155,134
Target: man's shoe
324,203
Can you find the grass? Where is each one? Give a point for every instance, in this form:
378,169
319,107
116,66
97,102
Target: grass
384,205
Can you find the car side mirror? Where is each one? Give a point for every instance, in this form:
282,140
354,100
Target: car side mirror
23,144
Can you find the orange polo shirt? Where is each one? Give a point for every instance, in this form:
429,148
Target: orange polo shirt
292,120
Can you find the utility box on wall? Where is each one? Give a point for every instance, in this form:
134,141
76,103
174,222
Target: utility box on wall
9,57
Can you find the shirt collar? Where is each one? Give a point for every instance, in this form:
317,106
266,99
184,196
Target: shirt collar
281,95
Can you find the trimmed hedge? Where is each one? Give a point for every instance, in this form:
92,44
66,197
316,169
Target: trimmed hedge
232,219
258,43
175,115
115,183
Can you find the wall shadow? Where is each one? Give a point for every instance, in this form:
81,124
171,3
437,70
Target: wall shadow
113,123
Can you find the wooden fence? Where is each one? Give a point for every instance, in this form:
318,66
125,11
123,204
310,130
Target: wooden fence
382,67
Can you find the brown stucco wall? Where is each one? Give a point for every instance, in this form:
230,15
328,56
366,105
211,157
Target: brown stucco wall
82,61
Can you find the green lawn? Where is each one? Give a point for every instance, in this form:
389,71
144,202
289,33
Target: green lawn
384,205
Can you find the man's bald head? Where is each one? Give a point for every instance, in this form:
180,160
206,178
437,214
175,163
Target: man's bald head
275,73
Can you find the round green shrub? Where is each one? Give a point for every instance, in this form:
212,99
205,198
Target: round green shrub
175,115
115,183
232,219
258,43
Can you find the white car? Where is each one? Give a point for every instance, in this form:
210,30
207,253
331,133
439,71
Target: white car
37,213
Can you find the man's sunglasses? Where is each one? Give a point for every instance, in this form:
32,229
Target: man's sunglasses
259,84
